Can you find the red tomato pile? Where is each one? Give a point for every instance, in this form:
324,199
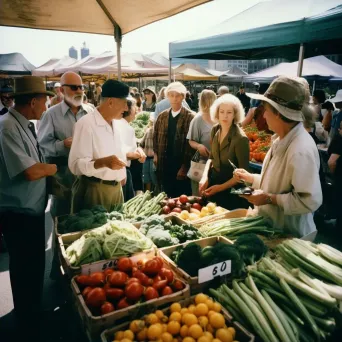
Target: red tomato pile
259,143
183,202
130,283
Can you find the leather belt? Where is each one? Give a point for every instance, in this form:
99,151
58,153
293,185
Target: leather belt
98,180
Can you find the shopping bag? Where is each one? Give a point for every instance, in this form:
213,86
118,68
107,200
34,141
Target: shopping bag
196,168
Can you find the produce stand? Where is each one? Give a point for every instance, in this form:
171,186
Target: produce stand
242,335
94,325
195,287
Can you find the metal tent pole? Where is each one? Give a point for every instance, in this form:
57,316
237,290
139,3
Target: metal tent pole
170,70
118,39
300,60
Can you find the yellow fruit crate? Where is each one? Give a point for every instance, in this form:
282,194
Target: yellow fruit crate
242,334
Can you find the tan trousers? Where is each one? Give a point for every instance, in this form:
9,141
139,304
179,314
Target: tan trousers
86,194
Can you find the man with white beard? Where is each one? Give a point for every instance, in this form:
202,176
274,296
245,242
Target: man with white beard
55,138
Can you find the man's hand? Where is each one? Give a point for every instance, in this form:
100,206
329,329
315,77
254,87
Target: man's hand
181,175
142,155
51,169
67,142
114,163
155,160
241,175
203,150
214,189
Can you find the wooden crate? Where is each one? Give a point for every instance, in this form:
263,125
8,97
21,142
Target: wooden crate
57,220
94,325
242,335
237,213
195,287
64,241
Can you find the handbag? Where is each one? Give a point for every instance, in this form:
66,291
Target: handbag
196,168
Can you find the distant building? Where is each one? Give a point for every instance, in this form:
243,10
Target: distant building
73,53
84,51
222,65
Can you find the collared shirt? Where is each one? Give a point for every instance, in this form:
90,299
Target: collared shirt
127,136
94,138
56,125
147,142
291,172
18,152
165,104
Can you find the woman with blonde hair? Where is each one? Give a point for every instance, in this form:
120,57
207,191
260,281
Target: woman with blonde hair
229,144
199,130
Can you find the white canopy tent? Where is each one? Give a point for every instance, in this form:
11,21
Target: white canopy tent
49,68
92,16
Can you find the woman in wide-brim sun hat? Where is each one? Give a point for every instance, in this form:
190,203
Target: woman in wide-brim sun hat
289,180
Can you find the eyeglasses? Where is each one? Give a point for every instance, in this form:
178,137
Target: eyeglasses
74,87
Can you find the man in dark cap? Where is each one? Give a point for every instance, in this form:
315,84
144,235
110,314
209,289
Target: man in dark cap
23,200
245,100
96,154
6,97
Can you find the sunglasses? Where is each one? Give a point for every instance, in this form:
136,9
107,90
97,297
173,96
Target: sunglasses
6,97
74,87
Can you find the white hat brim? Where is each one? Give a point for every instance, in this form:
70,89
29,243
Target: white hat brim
336,99
291,114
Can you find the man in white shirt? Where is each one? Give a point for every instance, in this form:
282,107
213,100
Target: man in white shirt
96,154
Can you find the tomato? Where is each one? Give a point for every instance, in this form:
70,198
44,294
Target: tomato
83,280
183,199
152,267
159,285
166,291
114,293
106,308
144,279
86,291
166,273
96,297
133,280
118,278
177,285
134,269
108,271
125,265
151,293
197,206
123,304
157,278
160,260
134,291
106,286
97,279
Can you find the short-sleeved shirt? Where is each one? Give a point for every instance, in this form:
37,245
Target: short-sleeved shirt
18,152
199,131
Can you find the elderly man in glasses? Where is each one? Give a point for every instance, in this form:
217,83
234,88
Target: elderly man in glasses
6,97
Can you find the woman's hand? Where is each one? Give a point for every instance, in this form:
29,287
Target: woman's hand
203,150
214,189
258,199
181,175
203,184
155,160
142,155
241,175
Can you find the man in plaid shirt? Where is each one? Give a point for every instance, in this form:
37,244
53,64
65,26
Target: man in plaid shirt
172,151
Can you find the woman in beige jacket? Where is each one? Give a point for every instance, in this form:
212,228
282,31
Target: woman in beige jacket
289,181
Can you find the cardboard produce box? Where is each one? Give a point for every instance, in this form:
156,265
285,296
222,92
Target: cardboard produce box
195,286
242,335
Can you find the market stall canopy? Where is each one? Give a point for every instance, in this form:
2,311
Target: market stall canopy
159,58
318,67
192,72
130,63
75,67
91,16
270,29
49,68
15,64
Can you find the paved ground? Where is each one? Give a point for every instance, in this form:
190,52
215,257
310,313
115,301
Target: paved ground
65,326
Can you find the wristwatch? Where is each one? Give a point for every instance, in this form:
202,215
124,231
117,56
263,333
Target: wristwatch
269,200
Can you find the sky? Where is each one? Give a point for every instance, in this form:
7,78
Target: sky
38,46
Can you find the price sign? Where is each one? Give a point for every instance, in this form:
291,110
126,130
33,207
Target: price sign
217,270
98,266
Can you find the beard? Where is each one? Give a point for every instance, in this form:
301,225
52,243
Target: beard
75,100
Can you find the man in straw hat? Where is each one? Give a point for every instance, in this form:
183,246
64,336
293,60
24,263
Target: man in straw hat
23,200
172,152
97,156
6,99
289,180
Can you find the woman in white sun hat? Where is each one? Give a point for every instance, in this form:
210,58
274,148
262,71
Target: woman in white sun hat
289,180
